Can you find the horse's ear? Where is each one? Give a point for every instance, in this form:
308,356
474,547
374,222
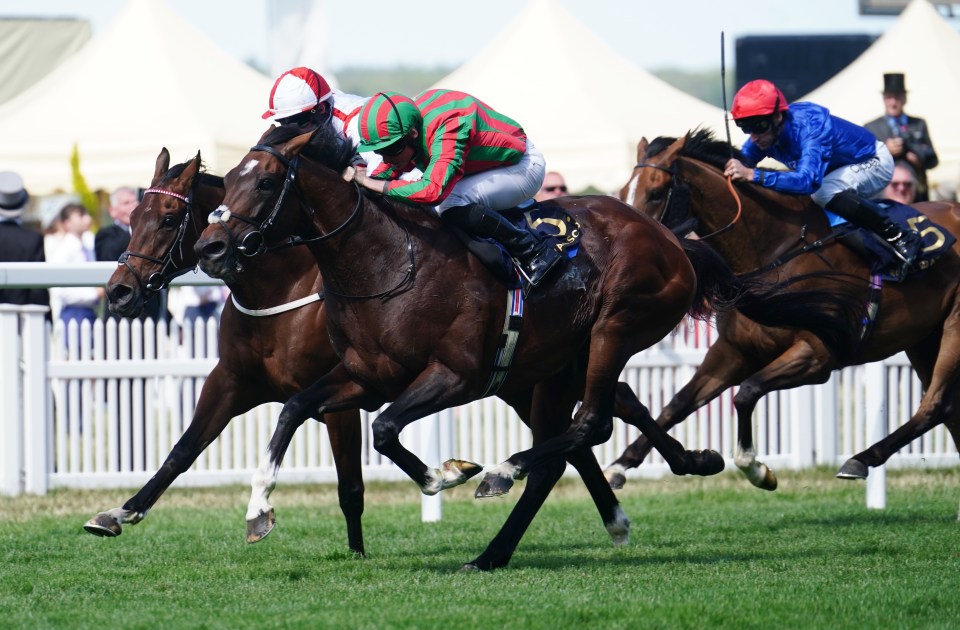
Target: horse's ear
642,149
192,168
294,146
163,163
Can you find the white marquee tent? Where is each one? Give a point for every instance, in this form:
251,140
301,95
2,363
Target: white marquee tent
582,104
149,80
926,48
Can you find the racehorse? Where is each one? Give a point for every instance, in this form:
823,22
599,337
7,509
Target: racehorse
417,321
785,236
262,359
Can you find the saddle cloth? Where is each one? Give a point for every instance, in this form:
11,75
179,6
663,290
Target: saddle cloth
547,222
884,262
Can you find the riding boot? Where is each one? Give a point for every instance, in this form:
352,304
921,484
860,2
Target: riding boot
868,214
536,257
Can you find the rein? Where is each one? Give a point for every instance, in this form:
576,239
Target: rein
675,176
168,268
254,242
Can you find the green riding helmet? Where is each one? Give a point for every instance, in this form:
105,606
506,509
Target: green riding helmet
385,118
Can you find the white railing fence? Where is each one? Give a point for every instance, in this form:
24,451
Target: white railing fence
101,406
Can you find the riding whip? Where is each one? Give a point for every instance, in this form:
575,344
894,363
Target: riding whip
723,91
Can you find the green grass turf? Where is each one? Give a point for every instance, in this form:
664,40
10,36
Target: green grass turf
704,553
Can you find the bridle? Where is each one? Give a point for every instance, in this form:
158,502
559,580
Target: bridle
254,242
683,187
169,269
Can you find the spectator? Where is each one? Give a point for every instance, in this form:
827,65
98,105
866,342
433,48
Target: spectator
191,302
77,304
907,137
111,241
903,187
18,243
553,186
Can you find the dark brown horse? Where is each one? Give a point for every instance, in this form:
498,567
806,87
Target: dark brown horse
417,320
261,360
782,236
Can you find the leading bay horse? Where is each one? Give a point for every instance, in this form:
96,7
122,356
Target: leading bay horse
417,321
260,358
784,236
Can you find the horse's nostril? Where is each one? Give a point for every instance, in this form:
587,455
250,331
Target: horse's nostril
119,293
211,250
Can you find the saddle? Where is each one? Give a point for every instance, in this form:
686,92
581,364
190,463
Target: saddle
878,252
551,223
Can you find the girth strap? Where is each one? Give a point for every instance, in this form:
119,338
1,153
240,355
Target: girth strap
508,342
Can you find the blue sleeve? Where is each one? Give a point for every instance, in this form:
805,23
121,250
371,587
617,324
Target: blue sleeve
813,145
751,154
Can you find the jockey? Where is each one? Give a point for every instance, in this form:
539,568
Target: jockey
302,98
839,164
474,160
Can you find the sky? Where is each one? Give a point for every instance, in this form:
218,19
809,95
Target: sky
653,34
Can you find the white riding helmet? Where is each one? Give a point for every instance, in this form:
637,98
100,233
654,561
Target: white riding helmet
295,91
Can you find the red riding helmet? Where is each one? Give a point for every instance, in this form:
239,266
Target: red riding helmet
295,91
758,98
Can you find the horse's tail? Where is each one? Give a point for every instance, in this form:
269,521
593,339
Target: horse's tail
718,289
834,314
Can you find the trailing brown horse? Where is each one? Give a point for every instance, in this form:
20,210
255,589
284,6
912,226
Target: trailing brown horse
417,321
260,361
787,237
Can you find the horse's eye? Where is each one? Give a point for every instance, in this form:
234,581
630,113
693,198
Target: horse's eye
169,221
265,185
655,195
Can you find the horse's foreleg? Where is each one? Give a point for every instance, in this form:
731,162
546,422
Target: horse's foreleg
723,367
801,364
335,392
346,441
221,399
434,390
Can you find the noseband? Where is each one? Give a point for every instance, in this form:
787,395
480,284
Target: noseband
254,242
168,267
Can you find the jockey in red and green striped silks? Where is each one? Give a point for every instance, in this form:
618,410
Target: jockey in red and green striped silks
475,162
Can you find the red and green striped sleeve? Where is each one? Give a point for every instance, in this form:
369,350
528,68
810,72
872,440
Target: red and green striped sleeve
461,135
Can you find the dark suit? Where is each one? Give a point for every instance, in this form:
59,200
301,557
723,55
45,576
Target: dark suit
109,243
916,138
21,244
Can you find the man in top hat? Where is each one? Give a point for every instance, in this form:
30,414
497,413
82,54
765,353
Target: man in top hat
18,243
906,137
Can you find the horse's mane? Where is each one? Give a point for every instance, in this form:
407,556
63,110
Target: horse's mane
701,145
326,147
204,177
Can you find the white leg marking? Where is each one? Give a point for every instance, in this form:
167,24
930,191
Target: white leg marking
755,471
619,528
125,516
263,482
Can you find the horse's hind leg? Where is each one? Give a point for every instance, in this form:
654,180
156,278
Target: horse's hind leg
938,404
346,443
922,357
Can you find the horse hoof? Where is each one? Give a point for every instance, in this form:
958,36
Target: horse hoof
615,477
467,469
103,525
469,567
853,469
259,526
769,481
493,485
703,463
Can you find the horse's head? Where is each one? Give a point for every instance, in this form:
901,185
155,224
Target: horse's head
259,192
164,226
